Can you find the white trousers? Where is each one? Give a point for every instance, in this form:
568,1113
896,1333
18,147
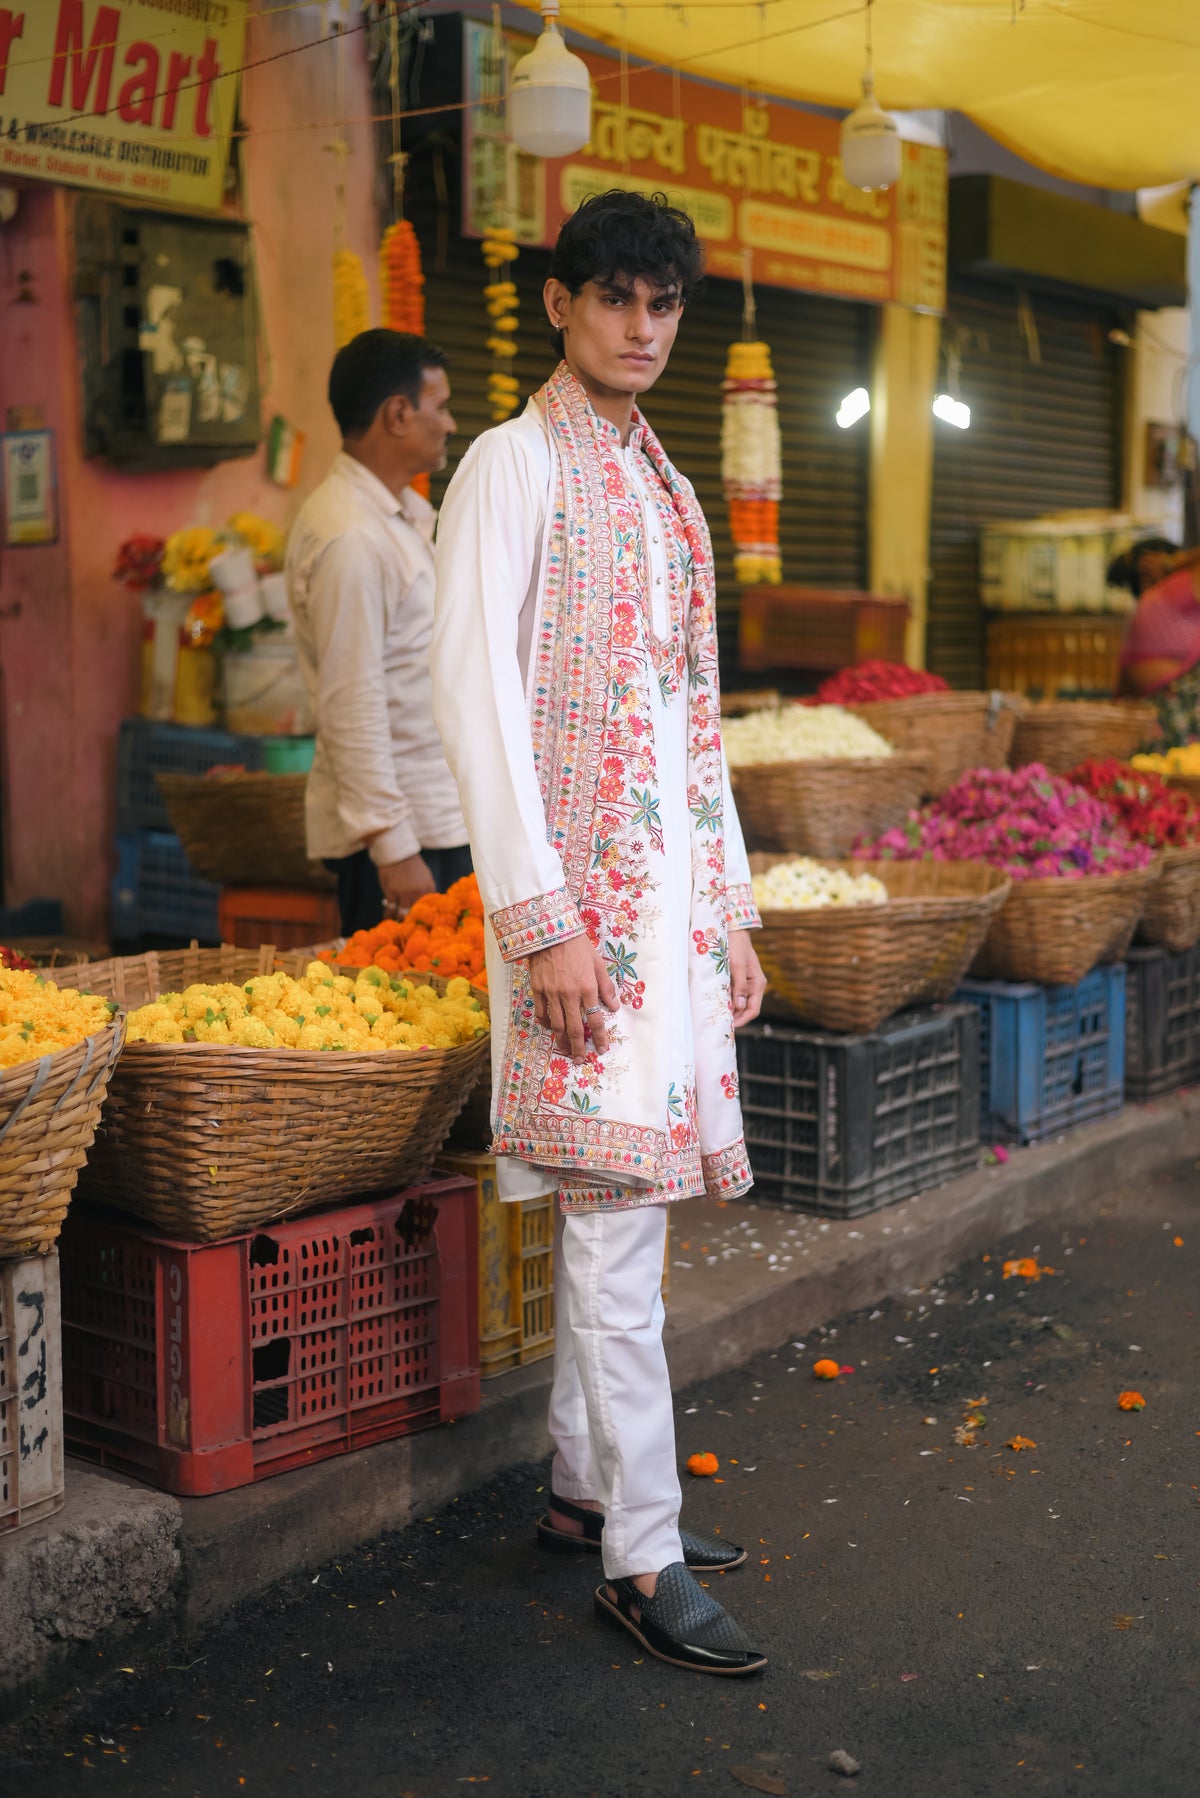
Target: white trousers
611,1416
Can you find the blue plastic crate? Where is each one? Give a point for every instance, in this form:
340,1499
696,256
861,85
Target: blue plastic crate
1050,1057
841,1125
145,748
1162,1021
155,893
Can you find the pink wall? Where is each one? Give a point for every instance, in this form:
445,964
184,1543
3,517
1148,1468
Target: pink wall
69,656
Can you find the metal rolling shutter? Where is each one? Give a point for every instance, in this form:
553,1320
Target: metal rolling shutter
1043,438
821,350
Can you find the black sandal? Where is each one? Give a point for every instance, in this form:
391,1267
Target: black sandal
702,1552
681,1624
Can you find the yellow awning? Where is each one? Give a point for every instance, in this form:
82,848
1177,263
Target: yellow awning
1100,91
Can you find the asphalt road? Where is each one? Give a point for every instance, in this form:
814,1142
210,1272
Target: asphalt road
962,1620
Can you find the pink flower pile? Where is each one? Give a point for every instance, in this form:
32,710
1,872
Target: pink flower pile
1027,822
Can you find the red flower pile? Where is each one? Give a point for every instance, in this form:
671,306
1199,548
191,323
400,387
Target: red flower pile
139,561
1150,811
878,680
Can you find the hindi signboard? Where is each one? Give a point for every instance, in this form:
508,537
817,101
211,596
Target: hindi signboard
757,176
132,98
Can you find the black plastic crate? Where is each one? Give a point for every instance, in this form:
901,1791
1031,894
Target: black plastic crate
156,894
1162,1021
844,1124
146,748
1050,1057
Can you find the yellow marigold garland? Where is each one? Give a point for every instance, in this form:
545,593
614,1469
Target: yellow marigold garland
351,300
500,300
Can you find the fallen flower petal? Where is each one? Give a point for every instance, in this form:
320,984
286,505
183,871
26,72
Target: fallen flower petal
1131,1401
1019,1442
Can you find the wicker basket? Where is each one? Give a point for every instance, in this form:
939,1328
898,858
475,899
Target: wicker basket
49,1110
1171,919
1061,733
1185,783
823,807
956,731
244,830
203,1141
1055,931
850,967
743,700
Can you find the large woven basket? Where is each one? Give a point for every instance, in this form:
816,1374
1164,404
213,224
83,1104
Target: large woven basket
850,967
1171,919
823,807
1185,783
1055,931
204,1141
244,830
49,1110
956,731
1061,733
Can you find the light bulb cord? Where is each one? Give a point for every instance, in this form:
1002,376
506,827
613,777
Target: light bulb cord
870,69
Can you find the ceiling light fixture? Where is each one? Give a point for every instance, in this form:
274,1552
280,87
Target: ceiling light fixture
856,405
550,95
952,411
870,138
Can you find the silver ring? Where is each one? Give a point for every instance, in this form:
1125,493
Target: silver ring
589,1011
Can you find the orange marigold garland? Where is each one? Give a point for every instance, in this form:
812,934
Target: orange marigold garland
402,293
751,463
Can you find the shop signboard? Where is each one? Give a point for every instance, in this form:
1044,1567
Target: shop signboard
756,176
132,98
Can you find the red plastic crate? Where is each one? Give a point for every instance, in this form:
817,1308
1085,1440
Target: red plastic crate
204,1367
287,917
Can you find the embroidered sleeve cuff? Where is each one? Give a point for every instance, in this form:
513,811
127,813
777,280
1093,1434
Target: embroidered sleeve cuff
535,924
741,913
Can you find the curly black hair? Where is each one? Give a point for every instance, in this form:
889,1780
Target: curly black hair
1123,570
619,233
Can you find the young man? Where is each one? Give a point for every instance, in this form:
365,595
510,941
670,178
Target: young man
575,687
381,804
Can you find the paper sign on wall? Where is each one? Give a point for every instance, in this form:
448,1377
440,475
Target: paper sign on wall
30,512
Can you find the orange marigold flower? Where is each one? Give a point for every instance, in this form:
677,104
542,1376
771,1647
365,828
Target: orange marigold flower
702,1464
1017,1443
1131,1401
826,1370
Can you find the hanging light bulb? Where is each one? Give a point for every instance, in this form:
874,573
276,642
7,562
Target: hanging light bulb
870,138
550,95
856,405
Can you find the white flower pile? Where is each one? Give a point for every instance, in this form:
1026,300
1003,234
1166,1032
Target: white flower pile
804,885
801,733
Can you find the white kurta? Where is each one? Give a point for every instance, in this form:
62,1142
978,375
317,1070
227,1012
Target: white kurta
495,539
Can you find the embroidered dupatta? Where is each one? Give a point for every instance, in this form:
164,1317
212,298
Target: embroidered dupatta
601,687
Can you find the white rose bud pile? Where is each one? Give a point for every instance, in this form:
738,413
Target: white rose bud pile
801,733
804,885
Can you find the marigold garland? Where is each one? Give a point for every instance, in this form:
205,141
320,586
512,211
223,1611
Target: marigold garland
751,463
401,282
351,300
500,301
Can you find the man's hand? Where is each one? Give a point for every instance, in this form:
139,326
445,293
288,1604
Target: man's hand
403,884
747,981
569,982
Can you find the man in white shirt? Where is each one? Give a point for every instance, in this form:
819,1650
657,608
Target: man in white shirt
575,685
382,809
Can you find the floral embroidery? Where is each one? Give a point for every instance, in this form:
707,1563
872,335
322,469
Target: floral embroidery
535,923
741,908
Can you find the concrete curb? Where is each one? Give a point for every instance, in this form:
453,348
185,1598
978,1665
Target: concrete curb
119,1552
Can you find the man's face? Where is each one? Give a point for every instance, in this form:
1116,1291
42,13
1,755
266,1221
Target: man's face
430,424
617,334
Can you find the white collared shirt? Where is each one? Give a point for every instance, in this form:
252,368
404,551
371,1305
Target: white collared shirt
361,586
